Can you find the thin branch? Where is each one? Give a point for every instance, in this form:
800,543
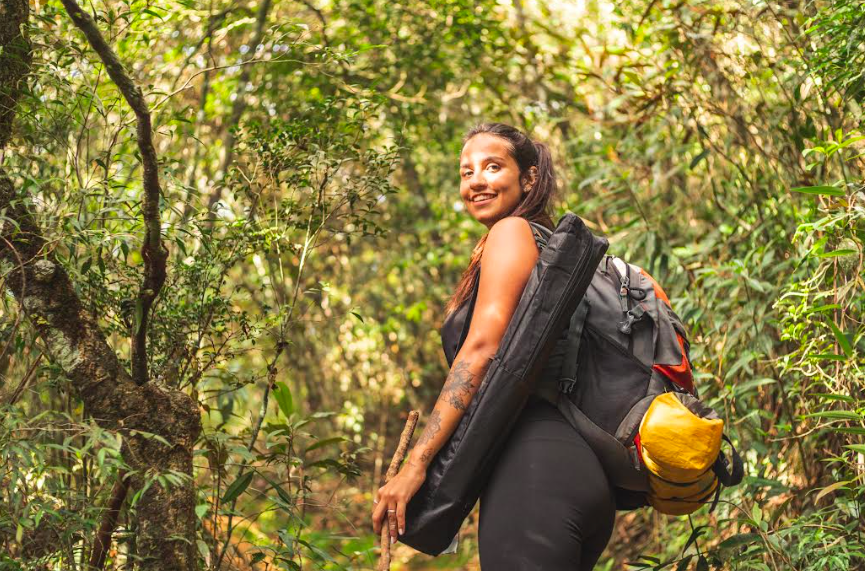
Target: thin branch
19,390
109,522
153,251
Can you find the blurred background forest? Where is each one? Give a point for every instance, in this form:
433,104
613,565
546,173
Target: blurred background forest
307,161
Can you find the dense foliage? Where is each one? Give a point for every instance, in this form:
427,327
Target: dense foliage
308,161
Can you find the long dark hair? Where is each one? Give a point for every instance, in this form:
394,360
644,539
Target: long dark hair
534,206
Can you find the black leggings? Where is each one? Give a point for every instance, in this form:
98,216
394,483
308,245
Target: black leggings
548,505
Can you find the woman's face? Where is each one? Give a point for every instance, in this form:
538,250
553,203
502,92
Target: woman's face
489,178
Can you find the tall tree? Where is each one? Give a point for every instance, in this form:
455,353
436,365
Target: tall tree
135,407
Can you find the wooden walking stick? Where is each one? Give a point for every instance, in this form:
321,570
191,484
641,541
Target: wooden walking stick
398,457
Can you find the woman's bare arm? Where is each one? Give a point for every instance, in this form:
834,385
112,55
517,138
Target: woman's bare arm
509,256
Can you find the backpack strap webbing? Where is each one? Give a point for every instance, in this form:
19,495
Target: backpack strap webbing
729,472
542,234
568,375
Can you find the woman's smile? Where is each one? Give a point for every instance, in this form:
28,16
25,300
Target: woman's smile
483,199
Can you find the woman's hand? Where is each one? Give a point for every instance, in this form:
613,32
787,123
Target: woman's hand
391,499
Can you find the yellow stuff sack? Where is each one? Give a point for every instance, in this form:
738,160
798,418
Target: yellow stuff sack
670,499
680,440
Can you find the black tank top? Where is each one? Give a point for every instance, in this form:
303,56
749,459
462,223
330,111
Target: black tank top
456,327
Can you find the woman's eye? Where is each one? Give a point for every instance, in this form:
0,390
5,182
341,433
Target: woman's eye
494,166
467,173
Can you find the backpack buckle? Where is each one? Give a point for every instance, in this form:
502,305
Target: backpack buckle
631,316
635,457
566,385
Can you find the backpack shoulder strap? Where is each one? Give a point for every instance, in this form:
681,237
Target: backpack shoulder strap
568,374
542,234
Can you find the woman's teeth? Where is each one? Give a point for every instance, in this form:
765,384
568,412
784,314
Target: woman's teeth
483,197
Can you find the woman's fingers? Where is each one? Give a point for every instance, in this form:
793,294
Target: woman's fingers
400,516
391,517
392,501
377,515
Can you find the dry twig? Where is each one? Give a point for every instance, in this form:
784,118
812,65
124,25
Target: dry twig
398,457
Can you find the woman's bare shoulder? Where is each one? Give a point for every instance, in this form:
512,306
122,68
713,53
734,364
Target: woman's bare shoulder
511,232
510,246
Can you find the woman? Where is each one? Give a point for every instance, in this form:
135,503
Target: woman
548,504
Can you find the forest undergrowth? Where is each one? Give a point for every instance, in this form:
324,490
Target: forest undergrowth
302,175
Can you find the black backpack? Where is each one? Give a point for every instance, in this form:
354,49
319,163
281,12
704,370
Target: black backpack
625,348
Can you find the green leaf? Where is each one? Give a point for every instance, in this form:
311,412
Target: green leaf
856,448
832,397
695,534
842,340
201,510
850,430
761,482
756,513
283,495
738,540
282,394
237,487
203,549
821,190
325,442
139,317
742,388
837,253
830,488
696,160
826,357
834,415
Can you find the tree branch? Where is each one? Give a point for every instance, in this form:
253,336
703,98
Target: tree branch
109,522
153,251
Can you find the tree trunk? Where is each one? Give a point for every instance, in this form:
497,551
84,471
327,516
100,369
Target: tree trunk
73,341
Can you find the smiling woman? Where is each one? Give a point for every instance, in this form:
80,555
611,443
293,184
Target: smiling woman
498,160
531,515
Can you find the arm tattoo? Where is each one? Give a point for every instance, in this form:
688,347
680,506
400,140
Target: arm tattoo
427,454
433,426
458,386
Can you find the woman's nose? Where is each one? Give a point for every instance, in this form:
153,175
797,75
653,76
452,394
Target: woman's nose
477,181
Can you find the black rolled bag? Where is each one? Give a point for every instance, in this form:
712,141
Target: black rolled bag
459,472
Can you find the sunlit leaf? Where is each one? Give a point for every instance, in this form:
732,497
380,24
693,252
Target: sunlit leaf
821,190
282,395
237,487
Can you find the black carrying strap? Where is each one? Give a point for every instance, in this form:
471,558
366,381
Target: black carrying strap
715,499
542,234
726,475
570,363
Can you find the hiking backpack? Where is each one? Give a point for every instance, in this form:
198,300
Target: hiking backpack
626,385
